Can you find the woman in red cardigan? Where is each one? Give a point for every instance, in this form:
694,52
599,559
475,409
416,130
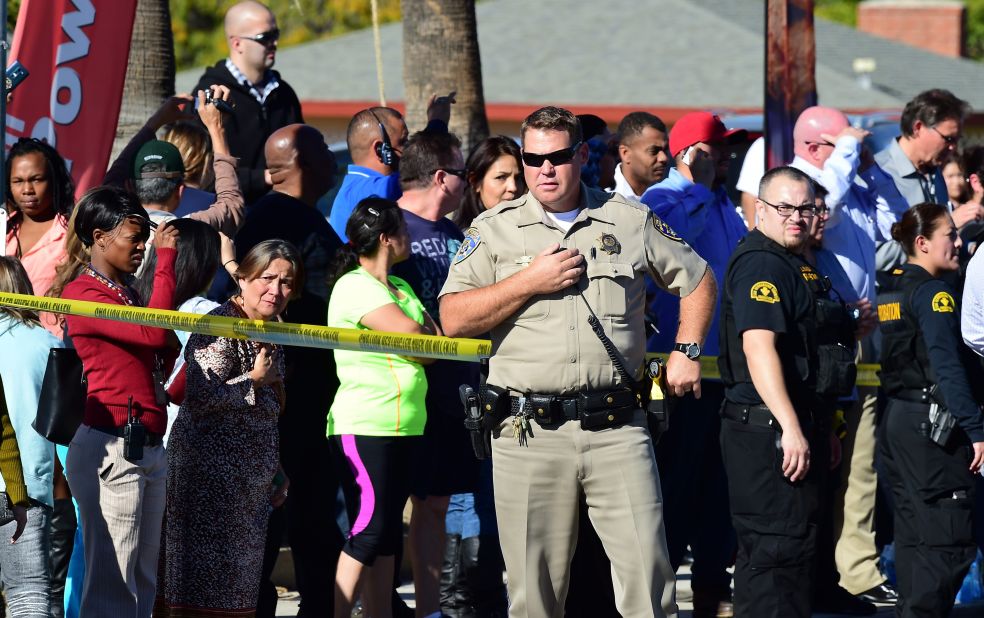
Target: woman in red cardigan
120,492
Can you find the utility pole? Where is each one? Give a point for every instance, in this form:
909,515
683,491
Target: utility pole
790,69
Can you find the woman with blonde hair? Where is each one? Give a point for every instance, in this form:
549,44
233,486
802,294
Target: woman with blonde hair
24,347
195,146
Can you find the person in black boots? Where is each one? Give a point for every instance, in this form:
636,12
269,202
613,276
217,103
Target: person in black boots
779,352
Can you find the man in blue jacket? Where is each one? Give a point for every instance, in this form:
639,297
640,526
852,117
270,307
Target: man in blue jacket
692,201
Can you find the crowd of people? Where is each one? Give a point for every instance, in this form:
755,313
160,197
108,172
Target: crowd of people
577,251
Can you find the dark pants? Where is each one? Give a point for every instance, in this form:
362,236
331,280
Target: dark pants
312,530
63,526
775,522
308,517
933,492
825,577
695,492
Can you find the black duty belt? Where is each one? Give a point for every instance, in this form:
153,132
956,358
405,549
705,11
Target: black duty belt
595,409
748,414
152,439
547,406
913,395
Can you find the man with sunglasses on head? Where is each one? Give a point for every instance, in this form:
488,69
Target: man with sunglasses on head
261,100
557,277
782,350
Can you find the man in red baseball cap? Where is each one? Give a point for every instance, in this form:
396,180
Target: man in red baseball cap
692,201
704,132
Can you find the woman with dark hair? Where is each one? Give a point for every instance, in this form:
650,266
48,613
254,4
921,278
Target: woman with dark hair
120,490
40,196
224,472
933,442
378,414
198,259
495,174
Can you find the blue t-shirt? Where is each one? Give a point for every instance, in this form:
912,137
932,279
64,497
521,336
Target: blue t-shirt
432,247
360,183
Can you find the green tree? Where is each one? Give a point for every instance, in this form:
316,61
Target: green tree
846,12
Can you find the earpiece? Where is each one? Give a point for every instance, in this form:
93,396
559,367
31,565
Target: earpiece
384,151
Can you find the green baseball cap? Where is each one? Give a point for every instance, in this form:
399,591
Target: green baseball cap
160,152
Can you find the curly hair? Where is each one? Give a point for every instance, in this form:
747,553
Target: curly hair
62,185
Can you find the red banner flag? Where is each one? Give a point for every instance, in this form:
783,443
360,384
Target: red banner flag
76,52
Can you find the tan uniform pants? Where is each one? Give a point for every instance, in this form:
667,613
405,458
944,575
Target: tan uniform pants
537,488
122,506
854,509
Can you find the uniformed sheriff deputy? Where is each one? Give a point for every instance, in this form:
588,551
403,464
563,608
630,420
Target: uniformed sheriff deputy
782,357
933,438
570,420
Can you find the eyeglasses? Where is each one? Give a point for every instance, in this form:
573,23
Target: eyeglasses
949,139
806,211
557,157
462,173
266,39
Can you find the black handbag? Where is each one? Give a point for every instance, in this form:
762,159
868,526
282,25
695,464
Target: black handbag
63,394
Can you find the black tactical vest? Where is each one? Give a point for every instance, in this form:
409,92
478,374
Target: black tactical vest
905,362
819,354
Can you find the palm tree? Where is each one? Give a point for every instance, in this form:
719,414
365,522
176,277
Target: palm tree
440,55
150,69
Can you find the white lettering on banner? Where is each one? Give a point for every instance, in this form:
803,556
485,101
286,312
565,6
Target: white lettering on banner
78,43
63,110
15,124
66,78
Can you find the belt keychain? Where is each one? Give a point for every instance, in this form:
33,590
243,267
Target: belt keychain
521,423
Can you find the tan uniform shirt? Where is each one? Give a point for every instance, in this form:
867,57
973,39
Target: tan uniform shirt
548,346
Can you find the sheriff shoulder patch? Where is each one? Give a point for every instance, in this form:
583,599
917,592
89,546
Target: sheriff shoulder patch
765,292
468,245
664,229
943,303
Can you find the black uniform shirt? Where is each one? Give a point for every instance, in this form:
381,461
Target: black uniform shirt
955,367
767,294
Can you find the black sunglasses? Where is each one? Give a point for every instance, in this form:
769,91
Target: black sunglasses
949,139
558,157
265,39
462,173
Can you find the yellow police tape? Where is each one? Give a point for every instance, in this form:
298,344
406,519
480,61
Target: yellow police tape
281,333
867,374
309,335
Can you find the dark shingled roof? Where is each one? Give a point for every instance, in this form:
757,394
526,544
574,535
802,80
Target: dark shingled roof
654,53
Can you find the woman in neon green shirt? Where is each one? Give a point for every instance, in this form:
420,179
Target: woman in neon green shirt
378,413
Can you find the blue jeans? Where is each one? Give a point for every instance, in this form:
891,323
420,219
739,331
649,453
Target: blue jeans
473,514
24,564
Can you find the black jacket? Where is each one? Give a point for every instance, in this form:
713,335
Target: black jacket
250,124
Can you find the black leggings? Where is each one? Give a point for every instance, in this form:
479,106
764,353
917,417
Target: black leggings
374,473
